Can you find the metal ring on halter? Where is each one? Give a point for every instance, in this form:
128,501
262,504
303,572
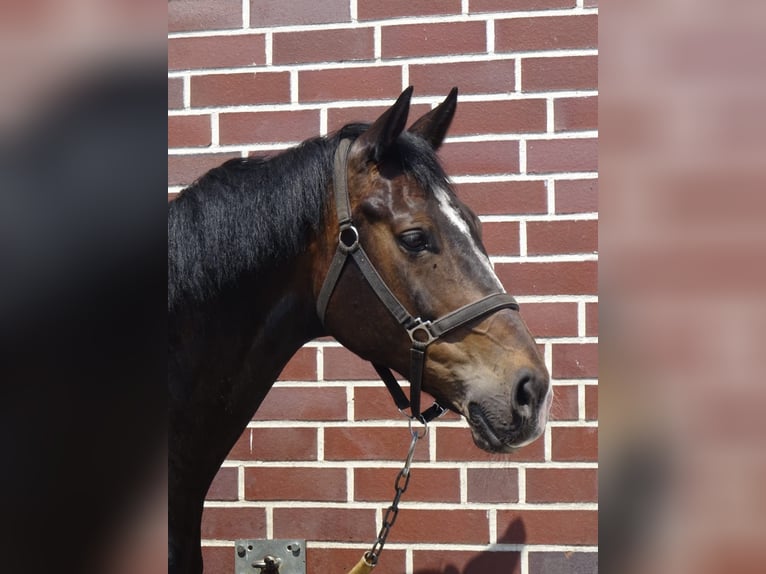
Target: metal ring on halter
348,244
414,432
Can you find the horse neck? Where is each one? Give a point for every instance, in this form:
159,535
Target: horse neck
252,324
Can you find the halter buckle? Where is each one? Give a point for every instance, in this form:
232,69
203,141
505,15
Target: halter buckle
420,334
348,239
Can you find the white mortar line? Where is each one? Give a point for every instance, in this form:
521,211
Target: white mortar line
415,20
490,36
550,189
569,258
550,119
245,14
463,473
350,484
522,155
522,474
215,137
380,62
240,482
405,76
581,318
322,121
187,91
269,521
294,86
581,402
269,41
353,11
492,520
377,43
517,75
320,443
522,238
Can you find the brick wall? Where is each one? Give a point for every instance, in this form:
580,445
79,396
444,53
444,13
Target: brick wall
257,77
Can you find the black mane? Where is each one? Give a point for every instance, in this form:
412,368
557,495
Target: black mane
251,214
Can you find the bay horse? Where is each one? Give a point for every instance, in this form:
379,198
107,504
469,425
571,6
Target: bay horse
358,235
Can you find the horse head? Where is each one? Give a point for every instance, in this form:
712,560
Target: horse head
425,247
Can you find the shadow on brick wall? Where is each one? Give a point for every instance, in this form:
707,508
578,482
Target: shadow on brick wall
488,561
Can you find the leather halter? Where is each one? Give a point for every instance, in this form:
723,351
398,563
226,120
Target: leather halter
421,333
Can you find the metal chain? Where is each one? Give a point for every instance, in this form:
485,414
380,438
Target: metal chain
401,484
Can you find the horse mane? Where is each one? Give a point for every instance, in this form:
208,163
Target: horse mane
252,214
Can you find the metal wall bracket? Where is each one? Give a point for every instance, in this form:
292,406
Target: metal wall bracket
270,557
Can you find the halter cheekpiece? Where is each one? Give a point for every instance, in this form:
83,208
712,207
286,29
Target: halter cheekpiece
421,333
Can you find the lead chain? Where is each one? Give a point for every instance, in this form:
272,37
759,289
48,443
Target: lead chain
401,484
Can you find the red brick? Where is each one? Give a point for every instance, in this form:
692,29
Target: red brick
562,485
551,319
371,443
189,131
295,483
303,404
276,444
566,527
375,403
574,444
216,52
480,158
477,6
188,15
575,360
377,10
493,485
240,89
433,39
548,156
441,526
329,560
550,278
233,523
172,196
340,364
563,73
497,76
268,127
454,561
224,485
591,402
505,197
501,238
456,444
218,558
324,46
184,169
577,196
590,3
565,405
506,116
301,367
298,12
575,114
426,484
175,93
339,117
350,84
552,237
591,319
546,33
330,524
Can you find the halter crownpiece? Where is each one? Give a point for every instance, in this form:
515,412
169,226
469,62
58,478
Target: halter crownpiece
421,333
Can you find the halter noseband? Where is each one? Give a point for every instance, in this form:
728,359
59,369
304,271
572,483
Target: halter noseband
421,333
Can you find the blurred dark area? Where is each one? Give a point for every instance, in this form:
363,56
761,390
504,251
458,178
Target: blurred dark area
682,278
82,282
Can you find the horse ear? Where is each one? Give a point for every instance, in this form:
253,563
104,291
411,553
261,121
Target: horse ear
384,131
433,126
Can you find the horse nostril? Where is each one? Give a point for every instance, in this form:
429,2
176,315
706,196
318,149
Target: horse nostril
528,390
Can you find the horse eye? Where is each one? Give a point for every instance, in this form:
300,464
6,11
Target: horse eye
414,240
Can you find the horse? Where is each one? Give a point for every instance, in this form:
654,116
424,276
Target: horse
358,235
